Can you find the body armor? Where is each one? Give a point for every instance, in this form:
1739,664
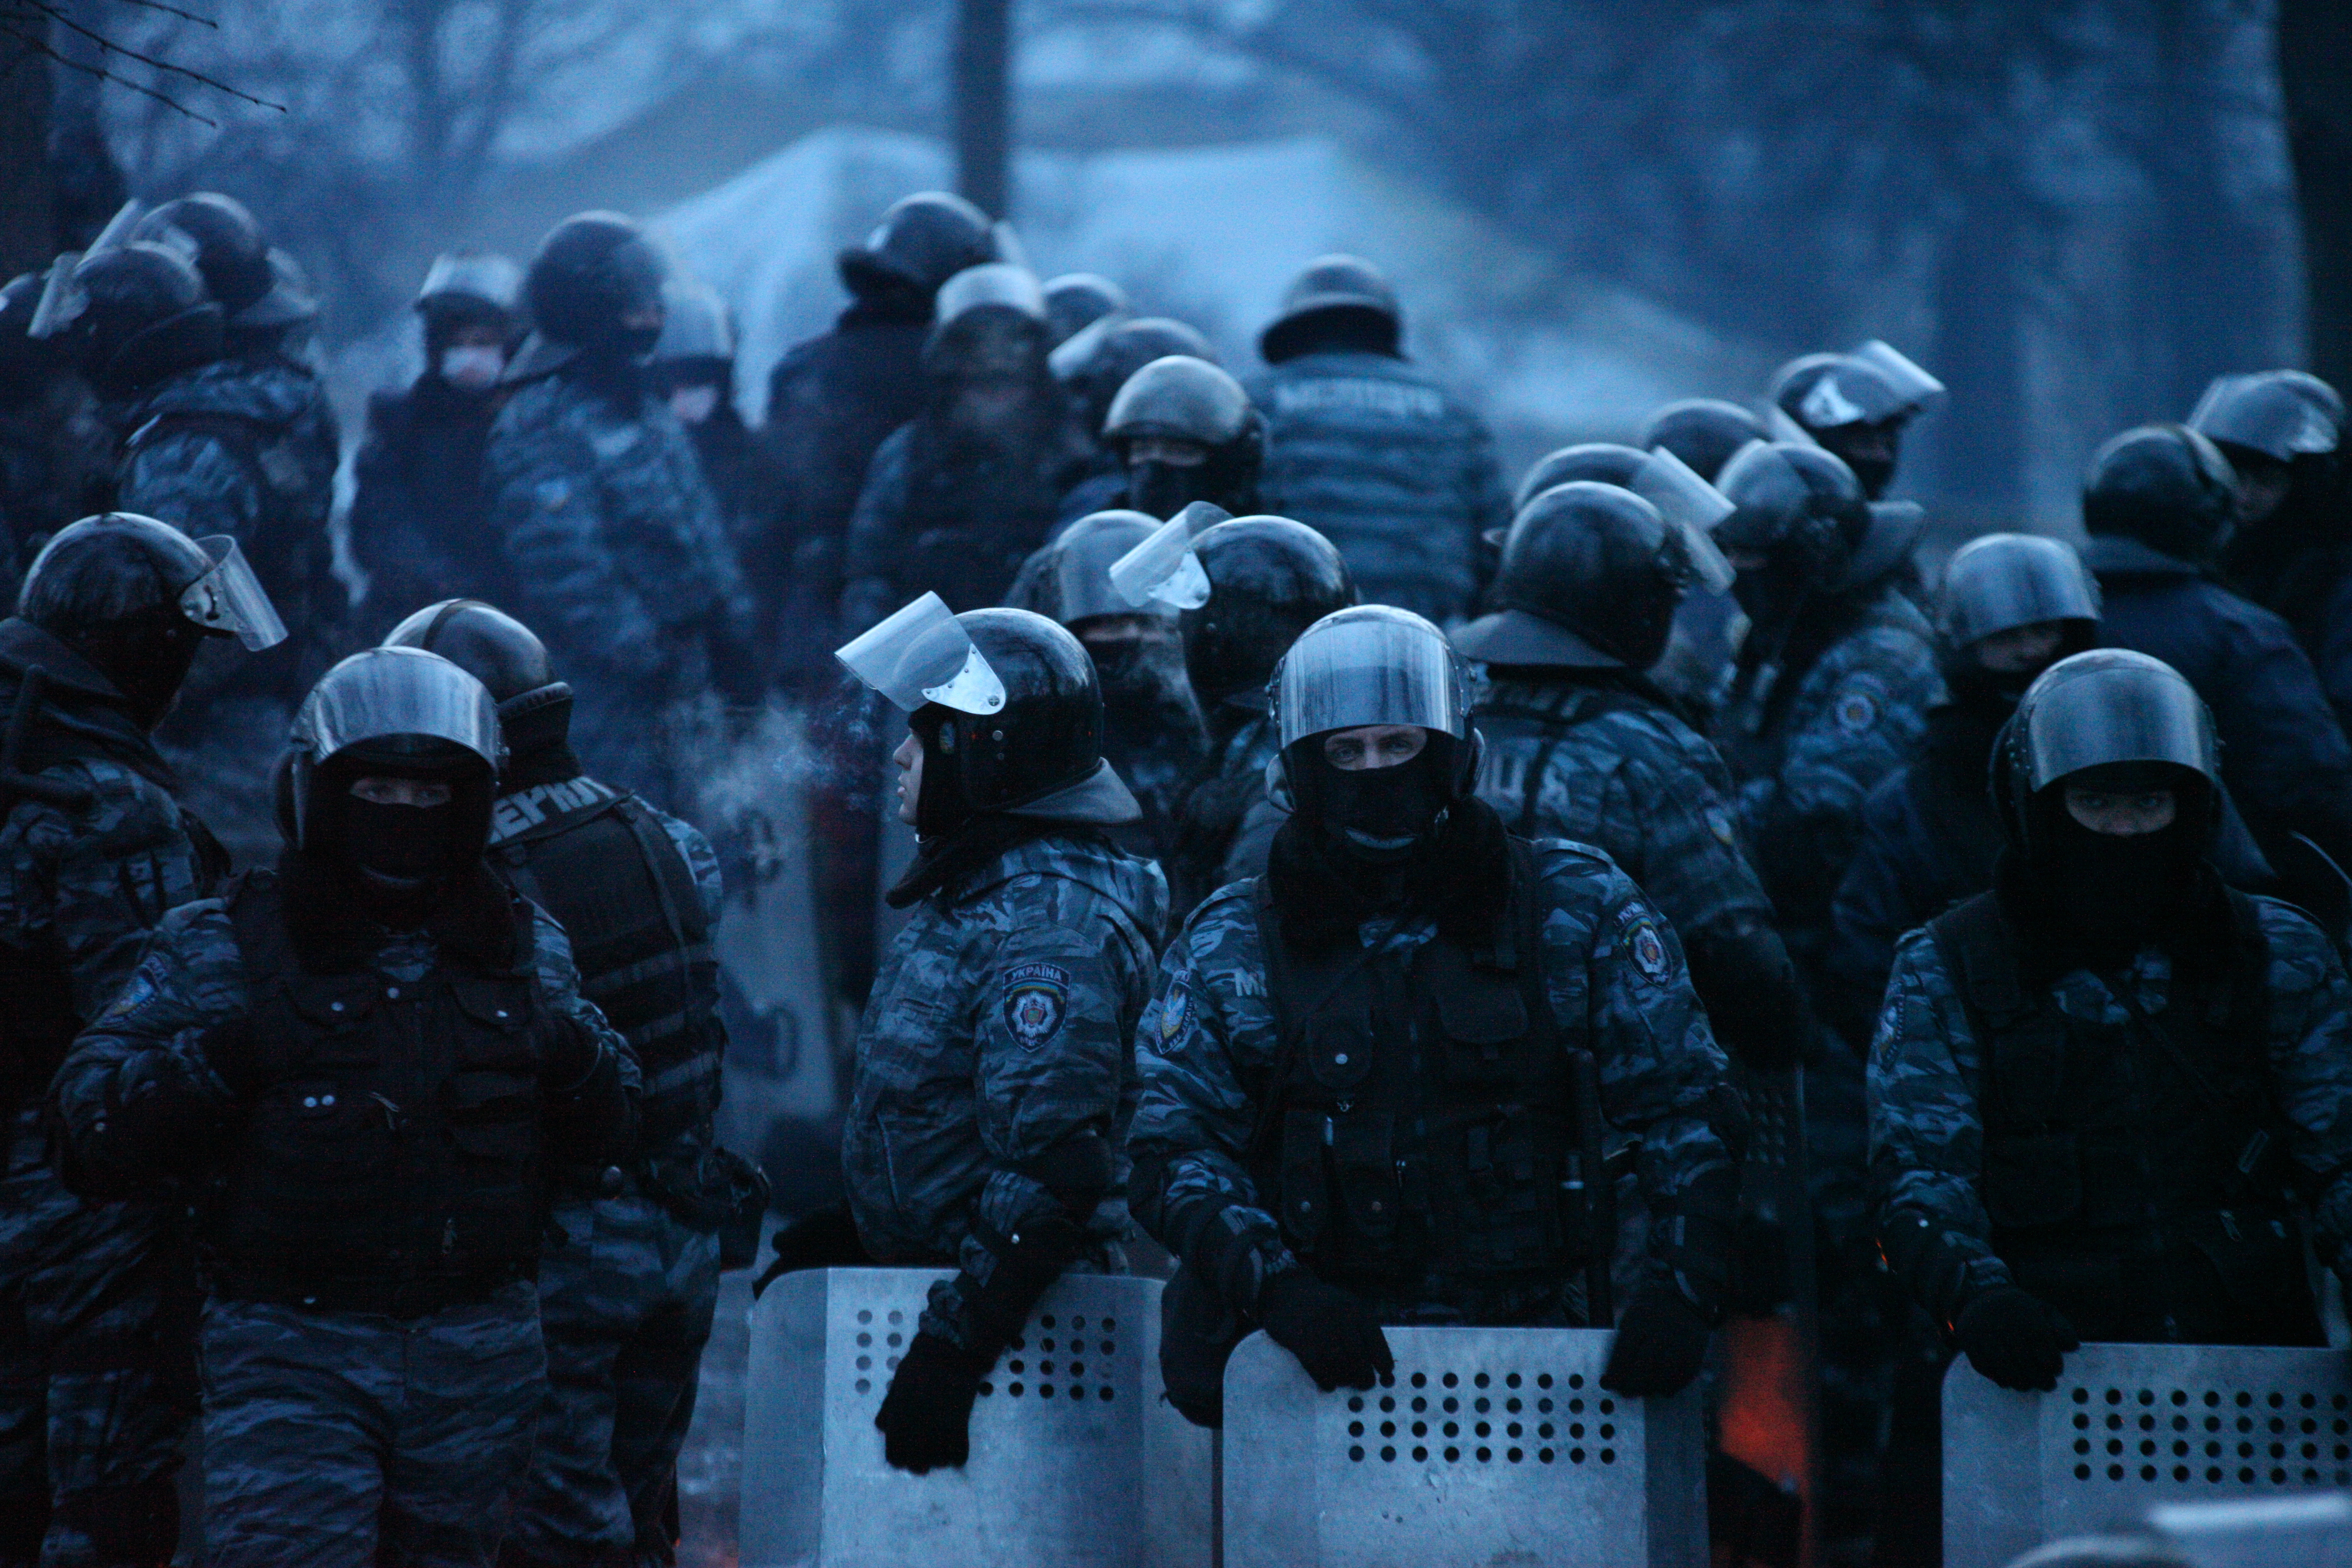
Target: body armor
2135,1173
1427,1140
395,1163
596,860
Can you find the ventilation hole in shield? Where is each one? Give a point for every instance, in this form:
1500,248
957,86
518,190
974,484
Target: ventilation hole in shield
866,1315
1607,1455
1421,1456
864,1387
1480,1380
1355,1402
2082,1472
1388,1456
1108,1393
1013,1389
1452,1379
898,1317
1356,1453
1576,1456
1046,1322
865,1339
1453,1456
1543,1455
1513,1455
1485,1456
1045,1391
987,1388
866,1364
1108,1324
1077,1323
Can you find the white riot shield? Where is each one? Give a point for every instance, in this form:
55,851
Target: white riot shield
1488,1445
1076,1460
2129,1427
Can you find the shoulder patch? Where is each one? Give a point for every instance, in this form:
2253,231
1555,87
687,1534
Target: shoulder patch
145,981
1175,1011
1638,938
1036,999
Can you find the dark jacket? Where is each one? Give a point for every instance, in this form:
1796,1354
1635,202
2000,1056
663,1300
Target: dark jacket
420,517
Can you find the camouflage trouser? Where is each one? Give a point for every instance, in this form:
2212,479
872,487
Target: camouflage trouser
627,1302
94,1390
349,1440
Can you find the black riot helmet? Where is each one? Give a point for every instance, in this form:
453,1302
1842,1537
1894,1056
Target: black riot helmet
1076,301
1093,365
2109,720
137,597
221,237
1069,580
2285,415
1590,576
1188,401
400,713
1855,404
991,321
507,656
1704,432
1335,302
137,314
2166,486
1599,462
1269,579
594,272
2001,581
1007,708
1800,510
921,242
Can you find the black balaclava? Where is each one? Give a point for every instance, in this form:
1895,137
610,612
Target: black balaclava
146,656
1376,816
940,806
1163,490
2112,894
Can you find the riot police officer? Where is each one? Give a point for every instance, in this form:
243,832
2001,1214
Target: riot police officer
614,544
1269,579
833,400
1091,367
2159,503
1369,451
2011,605
1076,301
1704,433
1152,733
989,1111
369,1058
2110,1095
94,848
2283,431
1855,405
1374,1080
1580,746
420,521
626,1297
960,495
1184,431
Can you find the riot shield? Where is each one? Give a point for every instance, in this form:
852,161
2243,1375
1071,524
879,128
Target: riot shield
1485,1446
1076,1462
2130,1428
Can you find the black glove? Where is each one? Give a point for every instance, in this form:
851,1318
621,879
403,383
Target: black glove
2016,1339
233,1050
1660,1345
1333,1334
825,1239
567,1052
926,1418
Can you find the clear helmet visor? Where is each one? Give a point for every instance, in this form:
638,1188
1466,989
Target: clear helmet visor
384,691
1691,507
2112,706
229,598
1081,563
921,654
2003,580
1913,388
1163,573
1373,663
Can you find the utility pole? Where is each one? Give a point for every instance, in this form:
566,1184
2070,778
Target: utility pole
984,104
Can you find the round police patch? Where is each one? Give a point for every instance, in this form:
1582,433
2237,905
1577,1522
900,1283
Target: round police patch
1036,1000
1639,939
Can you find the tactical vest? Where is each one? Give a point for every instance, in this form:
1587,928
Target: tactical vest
1425,1121
596,860
393,1161
2108,1148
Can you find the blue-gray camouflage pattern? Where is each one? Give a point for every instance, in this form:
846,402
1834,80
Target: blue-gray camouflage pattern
1927,1073
1001,1026
1224,823
1369,451
1209,1041
345,1439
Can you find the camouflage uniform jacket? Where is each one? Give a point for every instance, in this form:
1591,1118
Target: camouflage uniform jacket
1371,452
193,978
1001,1027
1209,1041
616,548
1806,760
1927,1073
1215,845
82,885
248,448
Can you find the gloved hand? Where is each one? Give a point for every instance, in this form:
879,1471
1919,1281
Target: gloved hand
825,1239
2016,1339
1660,1345
233,1050
1333,1334
567,1050
926,1418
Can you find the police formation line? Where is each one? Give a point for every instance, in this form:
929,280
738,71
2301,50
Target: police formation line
1408,907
